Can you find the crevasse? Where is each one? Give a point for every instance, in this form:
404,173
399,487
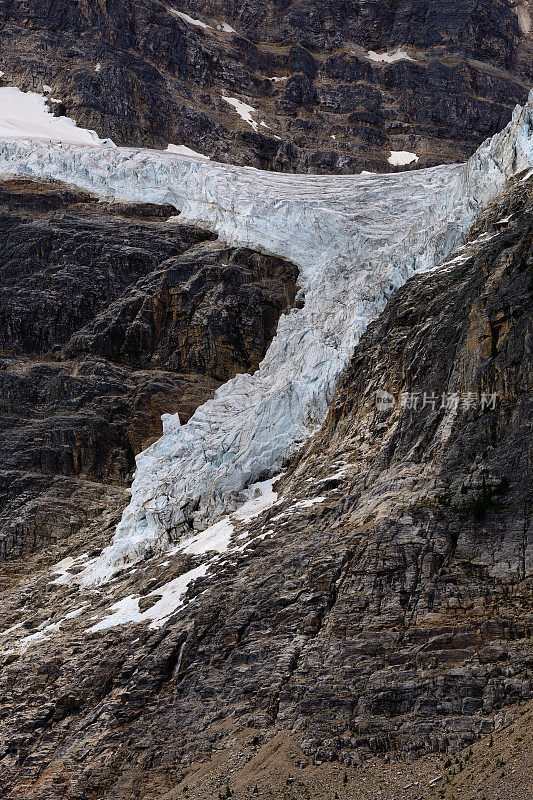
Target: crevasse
355,239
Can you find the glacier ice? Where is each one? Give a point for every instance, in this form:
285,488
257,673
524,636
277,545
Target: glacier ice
355,239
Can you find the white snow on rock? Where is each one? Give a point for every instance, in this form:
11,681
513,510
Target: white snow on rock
190,20
45,631
226,28
400,158
171,599
524,20
97,67
243,110
42,633
355,239
63,568
388,58
14,627
183,150
216,539
218,536
308,503
25,114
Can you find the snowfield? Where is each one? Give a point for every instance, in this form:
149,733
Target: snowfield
189,20
25,114
183,150
356,240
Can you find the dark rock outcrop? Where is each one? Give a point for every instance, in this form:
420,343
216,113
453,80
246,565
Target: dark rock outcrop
143,75
110,317
382,605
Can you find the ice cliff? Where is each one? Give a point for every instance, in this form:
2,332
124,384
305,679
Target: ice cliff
355,239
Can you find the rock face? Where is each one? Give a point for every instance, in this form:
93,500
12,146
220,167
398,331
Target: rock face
383,603
333,87
110,317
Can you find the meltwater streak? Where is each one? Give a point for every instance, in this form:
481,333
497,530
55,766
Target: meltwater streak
355,239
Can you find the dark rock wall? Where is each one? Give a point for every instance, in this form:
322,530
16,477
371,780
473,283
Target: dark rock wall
162,79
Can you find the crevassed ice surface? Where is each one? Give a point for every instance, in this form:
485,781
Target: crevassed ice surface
355,239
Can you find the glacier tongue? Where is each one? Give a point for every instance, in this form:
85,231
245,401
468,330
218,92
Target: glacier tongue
355,239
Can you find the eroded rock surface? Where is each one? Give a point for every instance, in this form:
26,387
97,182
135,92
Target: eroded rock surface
383,603
333,87
109,318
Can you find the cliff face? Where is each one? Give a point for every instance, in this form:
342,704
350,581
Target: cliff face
332,87
110,317
381,604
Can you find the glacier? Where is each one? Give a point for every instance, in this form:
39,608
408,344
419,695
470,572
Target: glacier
355,239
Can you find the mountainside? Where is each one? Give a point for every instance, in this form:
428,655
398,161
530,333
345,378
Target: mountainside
381,604
313,87
266,400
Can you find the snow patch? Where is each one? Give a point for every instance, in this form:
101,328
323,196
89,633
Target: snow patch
388,58
63,568
26,114
183,150
43,633
171,598
190,20
399,158
218,536
97,67
226,28
524,20
215,537
11,629
243,110
308,503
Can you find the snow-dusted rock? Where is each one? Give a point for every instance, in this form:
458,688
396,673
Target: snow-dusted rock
356,239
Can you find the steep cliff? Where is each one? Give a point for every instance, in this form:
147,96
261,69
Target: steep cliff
327,87
265,438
